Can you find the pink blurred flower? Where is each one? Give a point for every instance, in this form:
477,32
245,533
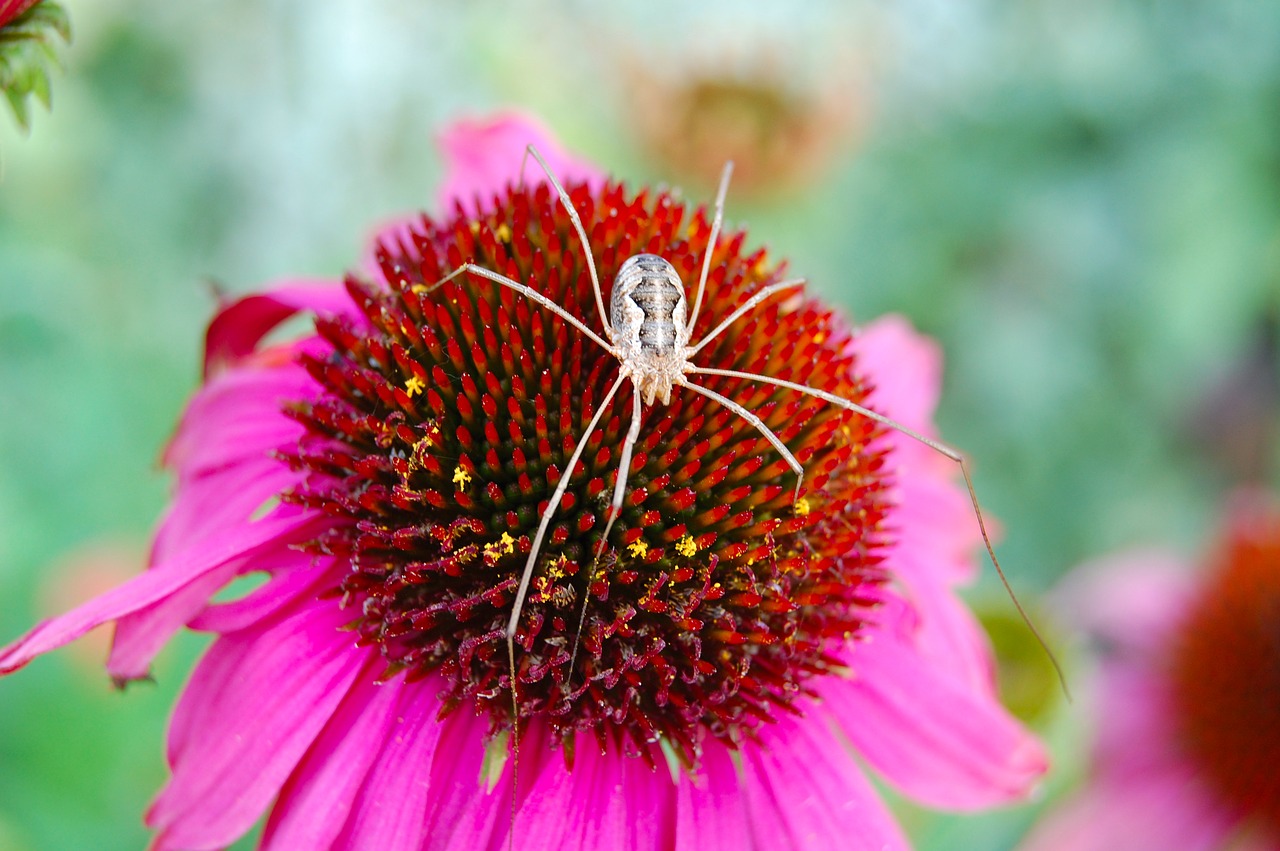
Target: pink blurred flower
385,474
1187,754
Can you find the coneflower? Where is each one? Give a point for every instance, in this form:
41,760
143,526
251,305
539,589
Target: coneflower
703,678
1188,711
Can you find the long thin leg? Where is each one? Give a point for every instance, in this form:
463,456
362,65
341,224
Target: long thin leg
711,243
615,508
525,289
932,444
582,234
744,308
527,576
759,426
563,485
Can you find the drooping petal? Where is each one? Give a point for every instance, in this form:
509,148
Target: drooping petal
941,629
295,576
254,706
482,156
166,578
140,634
929,733
804,791
711,810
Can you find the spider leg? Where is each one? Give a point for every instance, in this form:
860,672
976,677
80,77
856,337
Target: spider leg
953,454
526,290
758,425
746,306
550,510
615,508
711,243
582,233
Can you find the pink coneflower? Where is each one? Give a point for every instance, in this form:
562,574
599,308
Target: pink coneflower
738,655
1188,749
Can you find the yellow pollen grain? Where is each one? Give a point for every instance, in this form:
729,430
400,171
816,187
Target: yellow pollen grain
461,477
686,546
414,386
802,507
503,233
419,289
507,543
474,227
818,338
638,548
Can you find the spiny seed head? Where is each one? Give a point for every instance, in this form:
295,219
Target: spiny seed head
446,417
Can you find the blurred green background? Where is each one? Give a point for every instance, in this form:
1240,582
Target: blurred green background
1080,199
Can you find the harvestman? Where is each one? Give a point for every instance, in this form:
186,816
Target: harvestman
649,335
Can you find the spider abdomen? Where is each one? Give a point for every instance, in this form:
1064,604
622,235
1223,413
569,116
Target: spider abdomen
649,315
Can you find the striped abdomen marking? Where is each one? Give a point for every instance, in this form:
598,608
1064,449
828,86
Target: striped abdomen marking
651,284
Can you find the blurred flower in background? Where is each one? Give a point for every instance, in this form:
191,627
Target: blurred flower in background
780,129
1188,712
727,632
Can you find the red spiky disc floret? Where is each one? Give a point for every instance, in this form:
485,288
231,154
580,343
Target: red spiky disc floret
1226,673
446,422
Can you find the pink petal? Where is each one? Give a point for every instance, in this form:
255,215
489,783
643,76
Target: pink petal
297,576
607,801
929,733
1132,601
711,810
312,807
939,626
804,791
254,705
463,813
141,634
905,368
1137,728
483,156
218,504
1157,813
238,417
241,324
166,578
388,813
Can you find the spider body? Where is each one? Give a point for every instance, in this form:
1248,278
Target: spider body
649,315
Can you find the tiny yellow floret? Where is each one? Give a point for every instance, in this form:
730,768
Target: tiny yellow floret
502,232
461,477
638,548
802,507
686,546
507,543
414,385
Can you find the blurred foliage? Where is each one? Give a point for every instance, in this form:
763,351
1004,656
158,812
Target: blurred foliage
1079,200
26,52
